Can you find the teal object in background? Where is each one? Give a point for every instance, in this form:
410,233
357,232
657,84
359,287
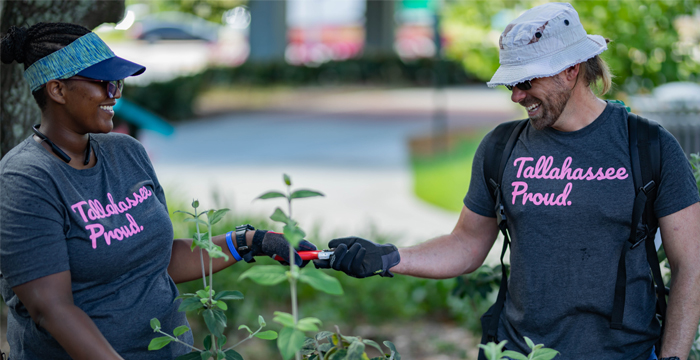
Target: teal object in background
621,103
142,118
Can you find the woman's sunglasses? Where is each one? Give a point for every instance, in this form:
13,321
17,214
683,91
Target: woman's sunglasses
525,85
112,86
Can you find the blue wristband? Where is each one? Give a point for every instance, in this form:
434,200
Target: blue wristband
232,248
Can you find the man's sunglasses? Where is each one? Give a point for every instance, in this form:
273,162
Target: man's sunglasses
525,85
112,86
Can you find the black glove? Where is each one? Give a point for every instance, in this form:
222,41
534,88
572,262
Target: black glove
360,258
274,244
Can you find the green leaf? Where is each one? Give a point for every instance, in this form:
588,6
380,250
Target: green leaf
205,355
233,355
305,193
373,344
286,319
221,341
212,319
245,327
220,355
190,304
261,321
200,236
544,354
355,351
290,340
267,335
204,294
207,342
280,216
514,355
155,324
271,195
392,347
229,295
323,334
189,356
287,179
492,351
308,324
339,355
217,215
293,234
529,342
159,343
216,252
265,274
183,212
222,305
197,221
181,330
319,280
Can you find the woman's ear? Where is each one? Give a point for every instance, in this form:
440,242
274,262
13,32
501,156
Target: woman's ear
56,91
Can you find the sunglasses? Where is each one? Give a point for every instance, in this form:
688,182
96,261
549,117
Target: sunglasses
525,85
112,86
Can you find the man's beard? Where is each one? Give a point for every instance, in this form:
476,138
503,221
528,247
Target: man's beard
551,109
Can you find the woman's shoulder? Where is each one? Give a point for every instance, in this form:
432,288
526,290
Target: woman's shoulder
116,140
22,157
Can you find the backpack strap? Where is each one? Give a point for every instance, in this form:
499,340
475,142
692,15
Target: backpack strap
502,141
645,156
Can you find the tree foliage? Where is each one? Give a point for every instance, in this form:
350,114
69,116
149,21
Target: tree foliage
647,48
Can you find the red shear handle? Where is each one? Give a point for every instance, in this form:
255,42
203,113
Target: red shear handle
305,255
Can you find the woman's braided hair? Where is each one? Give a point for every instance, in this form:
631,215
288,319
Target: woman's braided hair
26,46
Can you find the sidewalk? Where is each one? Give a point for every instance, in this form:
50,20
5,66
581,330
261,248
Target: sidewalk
353,147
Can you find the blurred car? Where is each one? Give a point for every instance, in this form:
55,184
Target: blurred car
175,26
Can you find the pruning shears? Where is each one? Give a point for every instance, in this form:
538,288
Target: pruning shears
311,255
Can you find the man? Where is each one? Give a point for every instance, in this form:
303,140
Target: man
567,228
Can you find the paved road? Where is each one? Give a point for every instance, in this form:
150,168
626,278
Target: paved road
358,156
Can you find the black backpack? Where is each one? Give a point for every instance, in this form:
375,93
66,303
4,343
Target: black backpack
645,154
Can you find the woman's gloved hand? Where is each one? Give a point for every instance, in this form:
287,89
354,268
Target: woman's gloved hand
274,244
360,258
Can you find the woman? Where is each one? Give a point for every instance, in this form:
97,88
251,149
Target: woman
86,245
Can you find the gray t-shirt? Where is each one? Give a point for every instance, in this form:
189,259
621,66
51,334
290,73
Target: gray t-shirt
108,225
568,197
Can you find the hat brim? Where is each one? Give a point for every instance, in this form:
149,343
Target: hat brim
549,65
111,69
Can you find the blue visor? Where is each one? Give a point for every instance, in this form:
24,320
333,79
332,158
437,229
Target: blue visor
87,56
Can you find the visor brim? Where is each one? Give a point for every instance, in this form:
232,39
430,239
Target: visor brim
111,69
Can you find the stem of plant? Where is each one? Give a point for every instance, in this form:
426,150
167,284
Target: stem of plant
246,339
211,283
292,267
201,256
179,341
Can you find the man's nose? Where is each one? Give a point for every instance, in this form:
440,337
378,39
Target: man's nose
517,95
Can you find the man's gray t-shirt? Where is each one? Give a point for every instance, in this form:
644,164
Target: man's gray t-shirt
569,197
108,225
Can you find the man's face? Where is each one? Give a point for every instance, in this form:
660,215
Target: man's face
545,101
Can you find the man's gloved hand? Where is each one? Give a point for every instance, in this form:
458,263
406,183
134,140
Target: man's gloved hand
271,243
360,258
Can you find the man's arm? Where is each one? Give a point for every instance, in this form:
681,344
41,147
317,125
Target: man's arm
681,239
49,300
454,254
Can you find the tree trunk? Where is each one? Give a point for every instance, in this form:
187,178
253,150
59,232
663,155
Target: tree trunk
18,111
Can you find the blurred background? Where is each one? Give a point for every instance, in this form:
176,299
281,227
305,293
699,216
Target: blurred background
380,105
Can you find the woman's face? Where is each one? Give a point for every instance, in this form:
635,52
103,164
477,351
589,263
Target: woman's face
89,105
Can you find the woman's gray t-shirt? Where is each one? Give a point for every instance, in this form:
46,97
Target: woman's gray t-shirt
108,225
568,197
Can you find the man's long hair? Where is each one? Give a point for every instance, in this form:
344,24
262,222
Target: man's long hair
596,70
